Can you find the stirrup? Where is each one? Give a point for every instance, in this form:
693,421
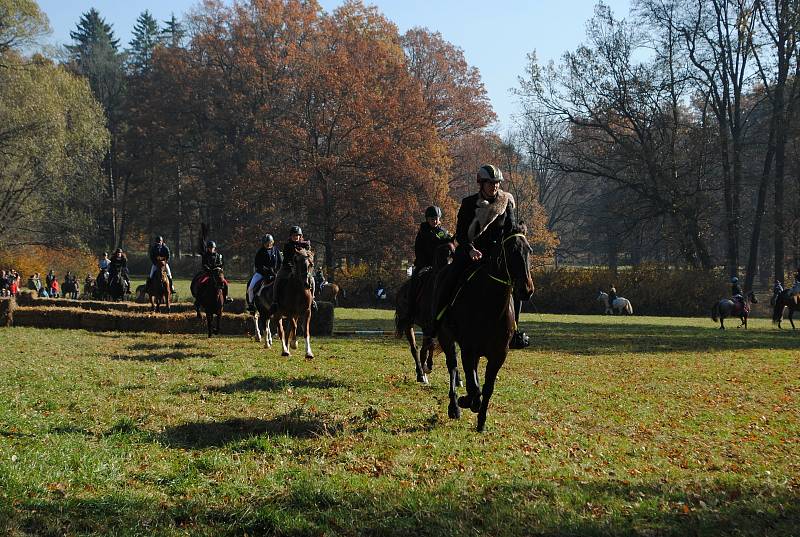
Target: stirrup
314,306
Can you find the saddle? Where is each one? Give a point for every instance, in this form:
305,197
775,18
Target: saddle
740,306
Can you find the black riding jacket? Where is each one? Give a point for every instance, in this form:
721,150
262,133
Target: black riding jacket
268,260
212,260
159,251
736,290
502,226
118,265
428,239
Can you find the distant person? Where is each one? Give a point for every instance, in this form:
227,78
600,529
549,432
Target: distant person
266,265
160,249
430,236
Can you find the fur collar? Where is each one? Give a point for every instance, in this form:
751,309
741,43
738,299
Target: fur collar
487,212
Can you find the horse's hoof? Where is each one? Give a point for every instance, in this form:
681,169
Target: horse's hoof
453,412
464,401
481,426
476,404
285,353
309,356
427,370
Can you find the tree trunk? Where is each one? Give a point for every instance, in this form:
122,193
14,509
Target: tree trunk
761,200
179,215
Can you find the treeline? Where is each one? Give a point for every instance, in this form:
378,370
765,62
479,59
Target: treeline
671,136
255,116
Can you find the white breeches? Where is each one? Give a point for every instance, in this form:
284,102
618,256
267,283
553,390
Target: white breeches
257,277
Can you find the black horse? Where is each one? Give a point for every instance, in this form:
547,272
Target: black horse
102,285
782,300
481,320
117,286
210,297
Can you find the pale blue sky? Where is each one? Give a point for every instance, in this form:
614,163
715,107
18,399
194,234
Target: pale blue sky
496,35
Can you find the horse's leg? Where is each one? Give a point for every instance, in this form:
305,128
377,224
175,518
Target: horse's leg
209,320
309,354
493,364
293,332
427,354
415,352
256,321
284,338
451,358
219,319
469,361
791,321
267,333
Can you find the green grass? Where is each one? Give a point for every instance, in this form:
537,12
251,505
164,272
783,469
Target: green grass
605,426
236,288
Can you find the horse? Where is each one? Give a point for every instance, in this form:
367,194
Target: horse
70,288
781,300
727,308
262,299
210,297
330,293
620,305
117,288
413,307
101,285
158,286
295,303
480,318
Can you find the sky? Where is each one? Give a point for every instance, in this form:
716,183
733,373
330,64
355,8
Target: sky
495,35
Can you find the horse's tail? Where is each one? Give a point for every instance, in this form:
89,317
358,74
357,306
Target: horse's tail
715,312
629,308
777,311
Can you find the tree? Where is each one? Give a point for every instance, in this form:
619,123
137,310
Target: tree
52,140
146,35
173,33
22,23
94,54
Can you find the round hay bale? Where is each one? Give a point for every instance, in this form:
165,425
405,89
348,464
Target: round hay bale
7,307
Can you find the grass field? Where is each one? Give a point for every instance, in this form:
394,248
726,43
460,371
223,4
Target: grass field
605,426
236,288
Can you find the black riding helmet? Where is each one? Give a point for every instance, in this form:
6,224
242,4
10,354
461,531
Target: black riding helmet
433,212
267,238
490,173
159,239
211,244
295,231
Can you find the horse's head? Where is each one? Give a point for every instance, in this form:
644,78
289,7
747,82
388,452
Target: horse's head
161,262
752,297
218,276
602,296
303,265
517,251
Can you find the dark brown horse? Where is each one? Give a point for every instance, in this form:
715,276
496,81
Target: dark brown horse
295,303
481,320
784,300
413,307
158,286
728,308
210,297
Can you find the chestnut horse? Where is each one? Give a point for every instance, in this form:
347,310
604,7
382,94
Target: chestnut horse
330,293
481,320
295,303
158,286
210,297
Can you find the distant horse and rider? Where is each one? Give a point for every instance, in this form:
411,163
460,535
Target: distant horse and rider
614,306
209,287
158,286
738,306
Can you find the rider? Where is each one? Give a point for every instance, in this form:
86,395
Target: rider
431,235
104,262
736,293
267,263
159,249
211,259
483,220
295,243
612,296
119,265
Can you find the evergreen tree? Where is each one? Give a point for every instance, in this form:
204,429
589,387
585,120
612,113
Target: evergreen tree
145,38
173,33
92,31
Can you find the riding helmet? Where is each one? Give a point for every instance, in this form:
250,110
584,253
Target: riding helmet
211,244
118,251
159,239
491,173
266,239
734,280
295,230
433,212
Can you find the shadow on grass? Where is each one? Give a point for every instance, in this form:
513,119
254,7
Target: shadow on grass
209,434
162,357
158,346
315,505
274,384
610,338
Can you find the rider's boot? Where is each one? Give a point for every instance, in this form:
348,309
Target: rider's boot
225,294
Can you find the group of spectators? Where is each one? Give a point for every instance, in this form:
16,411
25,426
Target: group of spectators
9,282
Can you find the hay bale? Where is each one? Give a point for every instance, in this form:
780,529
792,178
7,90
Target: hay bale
234,324
7,307
25,298
322,319
47,317
237,306
99,321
